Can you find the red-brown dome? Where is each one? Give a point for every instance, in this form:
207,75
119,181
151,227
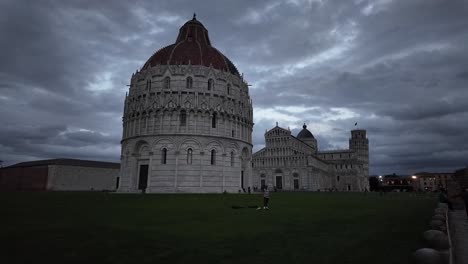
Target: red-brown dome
193,47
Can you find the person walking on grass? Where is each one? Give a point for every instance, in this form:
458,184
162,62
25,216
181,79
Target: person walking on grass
266,198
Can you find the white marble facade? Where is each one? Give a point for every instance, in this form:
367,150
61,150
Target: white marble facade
295,163
187,122
193,139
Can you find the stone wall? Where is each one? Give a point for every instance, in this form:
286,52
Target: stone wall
76,178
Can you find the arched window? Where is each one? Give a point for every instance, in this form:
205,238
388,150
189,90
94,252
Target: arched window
167,82
163,156
183,118
189,156
148,84
228,89
210,84
213,157
232,159
213,121
189,83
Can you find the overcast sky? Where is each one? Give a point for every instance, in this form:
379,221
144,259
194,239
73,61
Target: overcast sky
398,68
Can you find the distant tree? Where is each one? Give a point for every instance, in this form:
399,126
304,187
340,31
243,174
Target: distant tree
374,184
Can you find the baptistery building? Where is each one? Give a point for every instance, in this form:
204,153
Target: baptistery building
187,122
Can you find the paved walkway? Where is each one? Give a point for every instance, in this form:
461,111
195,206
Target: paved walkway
459,231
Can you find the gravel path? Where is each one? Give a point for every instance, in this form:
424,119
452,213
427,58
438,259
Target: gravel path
459,231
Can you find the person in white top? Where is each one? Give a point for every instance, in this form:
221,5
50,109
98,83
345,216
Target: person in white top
266,198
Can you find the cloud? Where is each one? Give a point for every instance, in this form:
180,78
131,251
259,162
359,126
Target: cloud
398,68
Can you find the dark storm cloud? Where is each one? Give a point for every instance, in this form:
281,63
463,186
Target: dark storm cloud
398,68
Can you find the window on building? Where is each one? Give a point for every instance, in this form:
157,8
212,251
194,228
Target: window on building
167,82
189,83
210,84
163,156
183,118
189,156
213,120
233,133
338,178
228,89
232,159
148,84
213,157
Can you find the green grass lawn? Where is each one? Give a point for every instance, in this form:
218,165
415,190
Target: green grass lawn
59,227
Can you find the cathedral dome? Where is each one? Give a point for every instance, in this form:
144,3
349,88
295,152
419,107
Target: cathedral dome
304,133
193,47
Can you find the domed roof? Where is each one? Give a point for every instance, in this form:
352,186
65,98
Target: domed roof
193,47
304,133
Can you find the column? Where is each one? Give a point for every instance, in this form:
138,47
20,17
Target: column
150,164
201,168
176,172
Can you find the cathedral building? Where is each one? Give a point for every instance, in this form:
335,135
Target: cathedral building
295,163
187,122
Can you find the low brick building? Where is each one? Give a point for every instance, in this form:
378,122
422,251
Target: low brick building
60,175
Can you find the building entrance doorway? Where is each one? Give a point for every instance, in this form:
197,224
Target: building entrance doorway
242,180
143,178
296,184
279,182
